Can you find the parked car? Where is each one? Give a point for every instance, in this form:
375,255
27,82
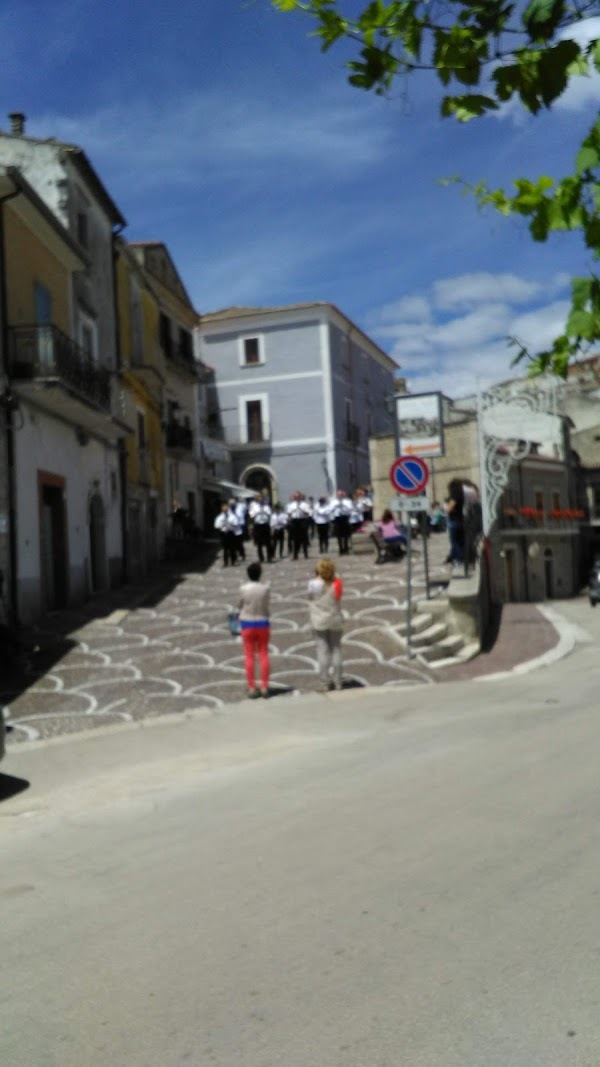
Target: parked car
594,583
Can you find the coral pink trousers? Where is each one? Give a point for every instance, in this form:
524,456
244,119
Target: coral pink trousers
256,643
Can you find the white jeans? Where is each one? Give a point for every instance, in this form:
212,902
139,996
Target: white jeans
329,655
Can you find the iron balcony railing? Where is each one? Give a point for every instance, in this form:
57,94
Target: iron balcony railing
41,352
179,437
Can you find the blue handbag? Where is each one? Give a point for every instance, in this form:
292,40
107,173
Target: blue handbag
233,621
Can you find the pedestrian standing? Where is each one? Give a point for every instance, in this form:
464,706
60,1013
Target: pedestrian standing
325,607
321,516
279,523
455,521
255,626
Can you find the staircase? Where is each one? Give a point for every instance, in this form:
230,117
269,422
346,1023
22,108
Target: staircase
435,641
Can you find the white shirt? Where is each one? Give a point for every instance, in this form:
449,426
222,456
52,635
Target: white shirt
341,506
297,509
279,520
260,513
322,514
222,522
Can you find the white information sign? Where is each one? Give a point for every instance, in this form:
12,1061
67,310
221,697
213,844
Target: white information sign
420,425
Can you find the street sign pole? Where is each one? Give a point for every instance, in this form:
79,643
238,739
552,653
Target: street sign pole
409,650
425,552
409,476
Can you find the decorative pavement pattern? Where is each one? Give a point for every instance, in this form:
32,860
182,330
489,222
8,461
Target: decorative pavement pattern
166,648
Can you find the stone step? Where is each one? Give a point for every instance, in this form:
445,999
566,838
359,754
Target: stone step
464,654
418,624
437,606
469,651
430,636
449,646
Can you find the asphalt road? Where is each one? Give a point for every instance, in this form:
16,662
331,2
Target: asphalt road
375,879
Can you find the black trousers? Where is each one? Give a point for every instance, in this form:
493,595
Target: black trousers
341,529
299,535
278,539
262,540
323,532
229,548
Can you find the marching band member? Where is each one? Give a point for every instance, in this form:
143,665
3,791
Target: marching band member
321,517
279,521
260,513
236,519
226,532
341,509
298,513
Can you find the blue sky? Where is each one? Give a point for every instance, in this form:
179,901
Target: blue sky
219,128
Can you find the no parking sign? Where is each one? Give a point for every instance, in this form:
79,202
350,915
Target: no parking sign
409,475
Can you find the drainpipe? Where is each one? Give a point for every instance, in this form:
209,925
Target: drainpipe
121,447
10,448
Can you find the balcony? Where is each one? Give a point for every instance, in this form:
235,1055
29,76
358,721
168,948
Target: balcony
179,438
45,353
63,380
180,357
530,519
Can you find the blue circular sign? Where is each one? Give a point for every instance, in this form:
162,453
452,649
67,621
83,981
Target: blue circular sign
409,475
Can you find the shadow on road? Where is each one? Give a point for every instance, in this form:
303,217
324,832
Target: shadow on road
11,786
31,651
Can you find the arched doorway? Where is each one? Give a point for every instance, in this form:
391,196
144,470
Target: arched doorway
260,479
97,544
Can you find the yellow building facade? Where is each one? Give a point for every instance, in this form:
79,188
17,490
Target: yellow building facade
142,380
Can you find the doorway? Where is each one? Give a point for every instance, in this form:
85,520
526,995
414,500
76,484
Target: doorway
53,543
260,480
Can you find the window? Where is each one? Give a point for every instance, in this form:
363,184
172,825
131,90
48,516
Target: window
185,345
82,229
88,336
539,500
251,351
556,500
254,421
164,333
253,417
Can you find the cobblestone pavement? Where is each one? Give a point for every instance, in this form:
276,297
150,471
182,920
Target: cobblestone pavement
141,652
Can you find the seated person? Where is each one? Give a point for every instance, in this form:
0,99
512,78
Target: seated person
390,530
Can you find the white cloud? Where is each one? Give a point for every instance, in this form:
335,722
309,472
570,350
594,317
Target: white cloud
469,289
407,309
537,329
460,353
219,135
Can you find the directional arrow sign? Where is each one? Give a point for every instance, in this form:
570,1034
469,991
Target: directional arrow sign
409,475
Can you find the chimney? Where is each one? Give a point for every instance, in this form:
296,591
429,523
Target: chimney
17,123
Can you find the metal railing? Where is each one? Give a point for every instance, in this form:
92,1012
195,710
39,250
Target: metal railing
179,437
46,352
